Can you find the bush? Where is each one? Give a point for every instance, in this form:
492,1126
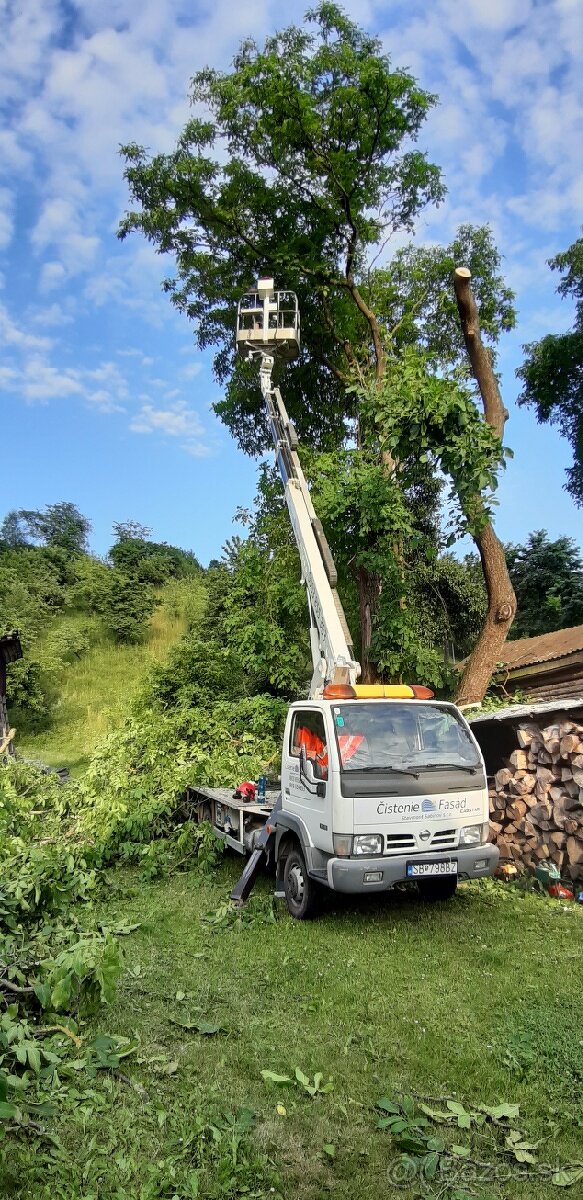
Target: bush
89,589
127,607
196,671
31,693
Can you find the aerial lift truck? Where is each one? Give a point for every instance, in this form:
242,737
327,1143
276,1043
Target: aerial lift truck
382,786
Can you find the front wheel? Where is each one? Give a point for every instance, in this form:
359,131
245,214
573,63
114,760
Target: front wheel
301,893
434,890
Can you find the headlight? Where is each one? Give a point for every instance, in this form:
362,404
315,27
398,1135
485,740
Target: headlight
367,843
471,835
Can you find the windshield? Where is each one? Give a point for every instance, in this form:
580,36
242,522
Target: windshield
380,735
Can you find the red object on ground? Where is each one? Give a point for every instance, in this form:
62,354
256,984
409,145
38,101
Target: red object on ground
245,791
558,892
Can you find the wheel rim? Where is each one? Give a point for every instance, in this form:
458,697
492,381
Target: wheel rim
297,885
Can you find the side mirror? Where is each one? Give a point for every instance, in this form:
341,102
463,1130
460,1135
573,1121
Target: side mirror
317,786
306,767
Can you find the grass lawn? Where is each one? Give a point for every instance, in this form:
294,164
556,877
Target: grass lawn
476,1001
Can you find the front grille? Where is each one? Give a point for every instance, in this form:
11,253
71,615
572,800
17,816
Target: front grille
396,843
400,843
444,839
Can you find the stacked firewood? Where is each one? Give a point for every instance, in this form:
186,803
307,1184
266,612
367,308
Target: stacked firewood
536,801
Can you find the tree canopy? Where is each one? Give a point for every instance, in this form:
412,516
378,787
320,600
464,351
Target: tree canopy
302,163
547,577
552,372
61,526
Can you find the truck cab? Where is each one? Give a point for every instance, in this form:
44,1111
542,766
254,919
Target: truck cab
378,791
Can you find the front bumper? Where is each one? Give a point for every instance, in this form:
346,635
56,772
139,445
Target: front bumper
348,874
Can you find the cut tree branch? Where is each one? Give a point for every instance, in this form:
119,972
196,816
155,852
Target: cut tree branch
15,987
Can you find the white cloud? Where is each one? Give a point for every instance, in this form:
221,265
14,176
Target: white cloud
178,420
34,377
197,449
51,276
102,400
13,335
54,315
191,371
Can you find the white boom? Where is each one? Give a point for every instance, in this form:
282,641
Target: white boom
332,652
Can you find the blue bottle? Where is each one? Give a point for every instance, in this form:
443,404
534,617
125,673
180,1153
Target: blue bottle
261,786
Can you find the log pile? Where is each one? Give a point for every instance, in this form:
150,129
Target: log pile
536,799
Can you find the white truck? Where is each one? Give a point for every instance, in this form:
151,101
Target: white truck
381,785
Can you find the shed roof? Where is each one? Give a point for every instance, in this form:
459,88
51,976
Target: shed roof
525,652
516,712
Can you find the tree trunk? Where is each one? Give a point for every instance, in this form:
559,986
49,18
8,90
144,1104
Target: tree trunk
501,599
499,616
369,590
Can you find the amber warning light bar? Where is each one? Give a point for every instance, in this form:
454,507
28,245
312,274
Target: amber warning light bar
377,691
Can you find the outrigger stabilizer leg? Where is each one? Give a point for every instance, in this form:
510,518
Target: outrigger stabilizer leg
264,845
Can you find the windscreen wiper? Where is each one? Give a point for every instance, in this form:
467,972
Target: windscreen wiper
447,767
391,770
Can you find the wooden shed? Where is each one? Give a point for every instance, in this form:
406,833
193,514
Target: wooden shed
549,667
10,651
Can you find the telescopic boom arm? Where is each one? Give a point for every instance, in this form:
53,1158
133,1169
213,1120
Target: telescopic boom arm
331,643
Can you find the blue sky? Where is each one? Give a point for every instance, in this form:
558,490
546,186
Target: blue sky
105,399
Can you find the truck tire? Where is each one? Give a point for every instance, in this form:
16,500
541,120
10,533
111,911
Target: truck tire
434,890
301,893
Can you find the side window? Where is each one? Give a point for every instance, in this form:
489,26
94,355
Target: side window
307,730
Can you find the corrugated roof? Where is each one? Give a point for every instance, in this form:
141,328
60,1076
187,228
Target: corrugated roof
527,651
516,712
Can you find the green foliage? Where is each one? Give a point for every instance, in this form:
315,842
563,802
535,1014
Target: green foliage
417,413
260,609
127,605
312,1087
415,301
552,373
89,588
151,562
196,671
184,846
48,962
60,526
547,577
434,1160
56,578
135,786
320,163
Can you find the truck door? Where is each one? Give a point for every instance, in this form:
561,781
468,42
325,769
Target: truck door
307,730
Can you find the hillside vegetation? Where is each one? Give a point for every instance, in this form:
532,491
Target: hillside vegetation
95,691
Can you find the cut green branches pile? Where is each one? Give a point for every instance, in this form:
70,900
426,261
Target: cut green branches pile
452,1151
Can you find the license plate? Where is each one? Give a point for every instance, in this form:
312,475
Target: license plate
448,867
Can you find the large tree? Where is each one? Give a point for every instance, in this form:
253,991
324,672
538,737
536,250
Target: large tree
58,526
552,372
548,580
303,166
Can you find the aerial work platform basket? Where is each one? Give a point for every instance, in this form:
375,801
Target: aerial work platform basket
268,322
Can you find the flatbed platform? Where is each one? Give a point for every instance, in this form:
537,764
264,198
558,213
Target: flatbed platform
232,818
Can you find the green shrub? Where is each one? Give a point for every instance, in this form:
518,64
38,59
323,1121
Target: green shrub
127,607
